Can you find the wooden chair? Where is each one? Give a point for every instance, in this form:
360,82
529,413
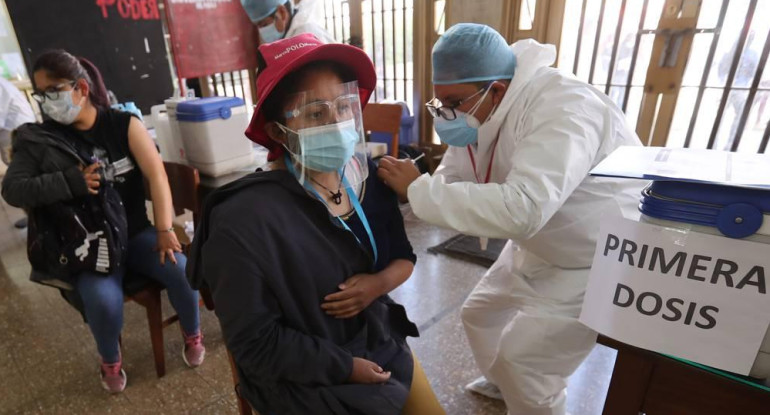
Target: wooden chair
648,382
384,118
184,181
244,407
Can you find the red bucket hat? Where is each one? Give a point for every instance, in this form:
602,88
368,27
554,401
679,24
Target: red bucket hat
287,55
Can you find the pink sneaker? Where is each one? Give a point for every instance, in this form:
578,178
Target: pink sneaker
113,376
194,352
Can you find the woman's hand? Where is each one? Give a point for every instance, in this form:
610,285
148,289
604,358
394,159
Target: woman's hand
167,245
92,178
366,371
355,294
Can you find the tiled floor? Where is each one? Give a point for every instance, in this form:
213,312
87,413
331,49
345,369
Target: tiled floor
48,358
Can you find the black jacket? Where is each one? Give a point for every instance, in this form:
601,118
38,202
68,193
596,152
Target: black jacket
270,253
44,170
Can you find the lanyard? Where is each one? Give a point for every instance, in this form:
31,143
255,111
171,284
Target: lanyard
361,215
482,240
489,168
353,200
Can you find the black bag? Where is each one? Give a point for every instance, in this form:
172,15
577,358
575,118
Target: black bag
86,234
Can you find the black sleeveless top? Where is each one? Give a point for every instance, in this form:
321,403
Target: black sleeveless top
110,134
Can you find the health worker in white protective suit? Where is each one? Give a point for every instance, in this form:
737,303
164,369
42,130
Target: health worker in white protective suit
522,139
281,19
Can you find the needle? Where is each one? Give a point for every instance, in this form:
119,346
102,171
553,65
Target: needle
414,160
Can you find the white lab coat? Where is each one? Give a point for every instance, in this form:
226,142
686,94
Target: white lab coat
14,111
304,21
549,131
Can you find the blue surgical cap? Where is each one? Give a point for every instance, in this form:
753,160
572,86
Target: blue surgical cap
260,9
470,52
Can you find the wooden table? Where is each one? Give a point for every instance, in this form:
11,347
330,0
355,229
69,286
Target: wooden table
645,382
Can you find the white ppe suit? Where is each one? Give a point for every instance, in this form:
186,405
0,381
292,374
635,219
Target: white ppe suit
548,132
14,111
304,21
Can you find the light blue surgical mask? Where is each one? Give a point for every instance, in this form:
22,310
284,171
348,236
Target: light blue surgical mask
328,147
270,34
464,129
62,109
460,132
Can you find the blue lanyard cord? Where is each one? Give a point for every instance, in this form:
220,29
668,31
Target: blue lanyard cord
361,215
353,200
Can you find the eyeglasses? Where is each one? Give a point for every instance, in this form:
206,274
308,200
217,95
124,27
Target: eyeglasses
266,21
448,112
325,112
53,92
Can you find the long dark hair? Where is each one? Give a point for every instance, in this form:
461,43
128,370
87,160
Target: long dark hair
61,64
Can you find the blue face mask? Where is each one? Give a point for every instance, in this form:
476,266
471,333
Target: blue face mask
464,129
270,34
460,132
329,147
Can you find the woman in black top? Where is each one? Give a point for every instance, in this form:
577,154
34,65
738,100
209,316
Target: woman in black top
43,172
299,282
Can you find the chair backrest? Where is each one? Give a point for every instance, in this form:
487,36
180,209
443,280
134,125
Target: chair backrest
384,118
183,181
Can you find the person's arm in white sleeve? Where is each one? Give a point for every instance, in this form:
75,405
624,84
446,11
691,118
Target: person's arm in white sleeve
455,159
552,158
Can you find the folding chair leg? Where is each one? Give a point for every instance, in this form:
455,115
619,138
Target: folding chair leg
155,321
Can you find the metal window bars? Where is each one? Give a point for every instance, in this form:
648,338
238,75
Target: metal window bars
752,94
387,39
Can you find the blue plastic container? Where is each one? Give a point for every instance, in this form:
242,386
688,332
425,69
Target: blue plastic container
207,109
211,130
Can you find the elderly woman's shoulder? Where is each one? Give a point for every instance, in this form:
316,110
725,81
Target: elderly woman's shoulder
256,196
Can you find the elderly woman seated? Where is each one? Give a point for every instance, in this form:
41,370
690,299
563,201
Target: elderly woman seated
300,258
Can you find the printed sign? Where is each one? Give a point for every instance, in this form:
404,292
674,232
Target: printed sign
130,9
211,36
695,296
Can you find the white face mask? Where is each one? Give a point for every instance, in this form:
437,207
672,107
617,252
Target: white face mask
62,109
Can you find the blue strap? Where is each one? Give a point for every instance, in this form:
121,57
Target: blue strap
353,200
361,215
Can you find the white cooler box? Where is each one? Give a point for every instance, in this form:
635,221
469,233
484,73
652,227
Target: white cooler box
212,132
717,210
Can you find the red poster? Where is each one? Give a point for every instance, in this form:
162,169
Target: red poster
210,36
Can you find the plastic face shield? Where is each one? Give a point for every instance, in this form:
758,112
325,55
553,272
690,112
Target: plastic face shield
324,129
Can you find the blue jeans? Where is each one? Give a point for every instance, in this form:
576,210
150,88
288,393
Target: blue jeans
103,294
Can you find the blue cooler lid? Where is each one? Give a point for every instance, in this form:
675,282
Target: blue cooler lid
207,109
736,212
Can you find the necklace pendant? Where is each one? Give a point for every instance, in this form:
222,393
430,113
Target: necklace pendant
337,198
